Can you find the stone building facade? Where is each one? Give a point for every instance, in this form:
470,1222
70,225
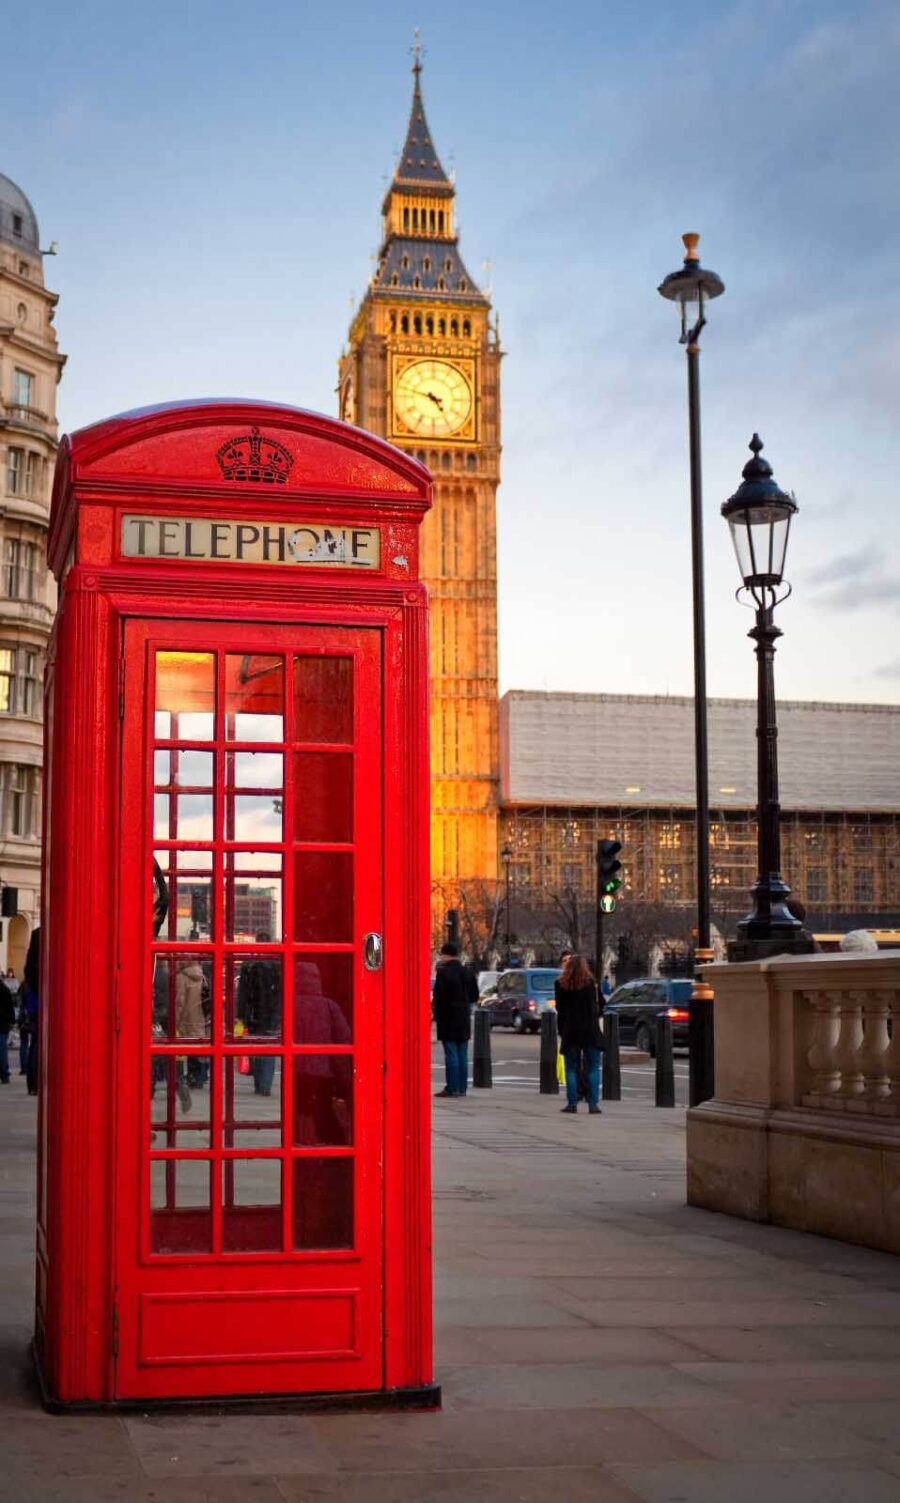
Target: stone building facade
30,368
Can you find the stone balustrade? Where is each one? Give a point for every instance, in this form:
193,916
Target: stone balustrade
804,1128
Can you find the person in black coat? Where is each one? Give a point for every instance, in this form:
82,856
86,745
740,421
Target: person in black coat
580,1035
455,994
7,1018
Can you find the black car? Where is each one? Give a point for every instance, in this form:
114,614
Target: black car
638,1004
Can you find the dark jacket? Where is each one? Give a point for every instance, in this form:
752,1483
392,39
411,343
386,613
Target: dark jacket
455,993
578,1016
7,1008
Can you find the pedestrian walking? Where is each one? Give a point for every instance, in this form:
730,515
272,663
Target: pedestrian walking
259,1009
7,1019
29,993
455,994
581,1038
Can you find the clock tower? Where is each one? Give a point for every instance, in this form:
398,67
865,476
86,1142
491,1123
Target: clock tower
422,369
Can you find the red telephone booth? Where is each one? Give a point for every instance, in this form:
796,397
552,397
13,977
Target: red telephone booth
234,1177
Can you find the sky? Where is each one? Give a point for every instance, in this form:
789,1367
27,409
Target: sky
213,174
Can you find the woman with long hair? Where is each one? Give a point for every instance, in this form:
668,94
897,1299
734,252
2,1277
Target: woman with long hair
578,1015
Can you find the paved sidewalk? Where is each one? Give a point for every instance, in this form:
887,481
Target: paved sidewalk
596,1340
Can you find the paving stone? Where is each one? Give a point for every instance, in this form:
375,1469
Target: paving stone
722,1482
41,1449
755,1432
798,1382
237,1445
569,1484
772,1343
426,1442
184,1489
579,1386
585,1344
877,1421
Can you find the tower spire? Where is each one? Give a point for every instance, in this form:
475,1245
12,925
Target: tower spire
419,162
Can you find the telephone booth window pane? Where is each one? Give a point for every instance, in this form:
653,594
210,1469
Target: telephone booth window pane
323,700
323,1202
183,816
253,817
323,796
255,770
253,898
251,1101
180,1101
182,993
185,696
180,1206
180,767
253,997
323,1100
323,999
251,1205
323,897
254,698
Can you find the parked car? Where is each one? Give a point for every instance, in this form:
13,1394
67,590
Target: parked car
487,983
638,1004
521,997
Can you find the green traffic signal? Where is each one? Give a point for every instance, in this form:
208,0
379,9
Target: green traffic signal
612,885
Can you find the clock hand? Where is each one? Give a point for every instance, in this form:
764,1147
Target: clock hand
436,400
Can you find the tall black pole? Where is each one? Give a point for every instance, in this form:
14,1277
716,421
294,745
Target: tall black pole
701,756
508,945
700,1026
598,930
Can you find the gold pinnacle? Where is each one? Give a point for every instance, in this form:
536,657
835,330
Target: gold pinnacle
690,246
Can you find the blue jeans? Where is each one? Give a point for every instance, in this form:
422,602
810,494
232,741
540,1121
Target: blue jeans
4,1056
456,1061
572,1058
263,1067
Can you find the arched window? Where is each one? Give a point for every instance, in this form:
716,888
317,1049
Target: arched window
417,323
426,264
445,461
393,323
404,262
404,324
448,264
395,280
417,282
454,327
429,325
406,219
463,284
440,284
470,461
432,461
431,218
440,221
467,328
415,219
420,456
442,326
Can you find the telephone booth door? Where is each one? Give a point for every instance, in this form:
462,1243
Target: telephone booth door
250,1045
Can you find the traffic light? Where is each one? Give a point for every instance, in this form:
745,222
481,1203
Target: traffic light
608,880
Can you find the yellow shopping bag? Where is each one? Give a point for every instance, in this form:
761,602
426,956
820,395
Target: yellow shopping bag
560,1067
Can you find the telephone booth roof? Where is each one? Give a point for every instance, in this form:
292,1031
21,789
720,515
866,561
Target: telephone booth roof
180,450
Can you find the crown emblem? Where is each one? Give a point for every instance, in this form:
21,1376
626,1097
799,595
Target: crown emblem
252,457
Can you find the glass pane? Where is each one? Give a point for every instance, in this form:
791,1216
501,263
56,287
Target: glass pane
251,1101
253,816
182,991
185,696
253,899
323,1100
323,796
255,769
253,997
180,1101
323,1202
176,767
323,897
251,1205
183,816
323,699
180,1206
323,999
254,698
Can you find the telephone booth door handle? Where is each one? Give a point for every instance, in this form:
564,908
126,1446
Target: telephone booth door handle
373,952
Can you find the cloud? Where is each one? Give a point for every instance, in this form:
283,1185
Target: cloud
888,670
847,566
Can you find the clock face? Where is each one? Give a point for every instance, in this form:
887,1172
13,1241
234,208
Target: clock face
432,398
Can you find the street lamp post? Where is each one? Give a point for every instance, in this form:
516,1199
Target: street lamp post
693,287
759,515
506,858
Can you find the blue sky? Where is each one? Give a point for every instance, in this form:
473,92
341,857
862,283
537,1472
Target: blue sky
213,175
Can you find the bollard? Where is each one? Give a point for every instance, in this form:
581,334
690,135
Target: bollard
549,1052
665,1062
482,1071
612,1064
